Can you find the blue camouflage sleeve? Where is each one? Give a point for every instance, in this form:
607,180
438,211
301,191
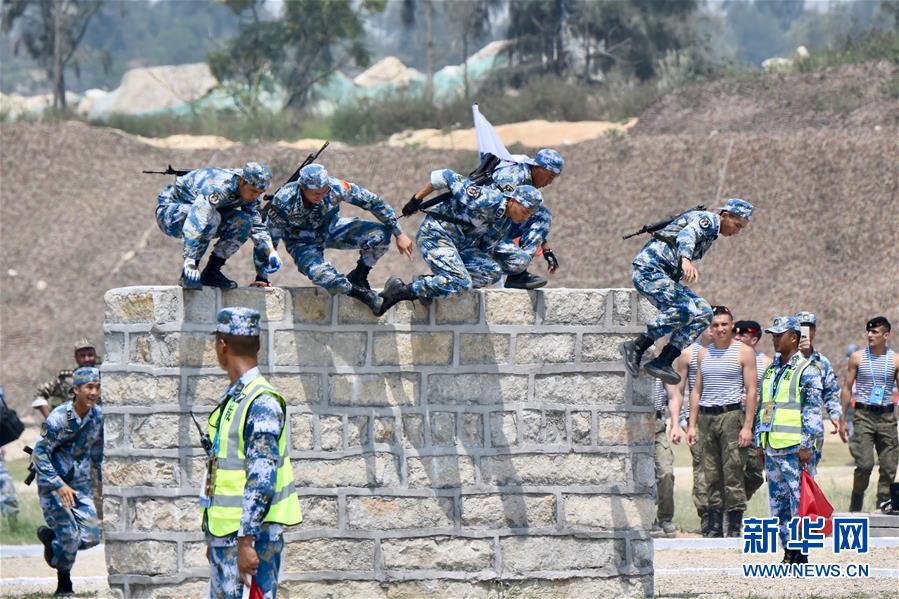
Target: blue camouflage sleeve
447,179
810,395
263,427
831,390
535,231
43,449
701,226
97,447
363,198
259,233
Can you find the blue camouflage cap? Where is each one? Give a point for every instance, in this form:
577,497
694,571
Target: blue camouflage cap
526,195
782,324
238,321
256,174
806,318
86,374
738,207
313,176
550,160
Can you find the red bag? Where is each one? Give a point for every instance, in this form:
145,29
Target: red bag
813,503
253,592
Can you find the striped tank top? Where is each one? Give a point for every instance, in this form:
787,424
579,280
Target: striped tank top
760,369
864,381
722,376
660,396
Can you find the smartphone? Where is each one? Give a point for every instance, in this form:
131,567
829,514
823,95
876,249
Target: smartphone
805,331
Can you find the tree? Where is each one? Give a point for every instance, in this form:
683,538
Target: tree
471,21
408,20
537,28
51,31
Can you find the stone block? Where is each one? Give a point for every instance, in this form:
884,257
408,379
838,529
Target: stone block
510,306
114,353
319,512
609,512
112,514
137,389
193,471
472,430
194,555
151,305
566,469
398,513
646,312
437,553
385,429
581,425
334,589
205,390
544,348
179,515
413,430
484,348
301,432
311,305
411,313
395,389
200,305
150,558
574,306
157,431
271,302
553,430
641,552
619,587
625,429
317,555
385,468
297,389
604,390
621,306
357,431
113,430
524,555
319,348
174,349
484,389
531,426
644,469
602,347
342,472
331,432
134,472
503,429
440,472
459,308
443,428
402,349
352,311
186,588
508,511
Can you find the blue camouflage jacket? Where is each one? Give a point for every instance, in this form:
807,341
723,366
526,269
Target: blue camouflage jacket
481,208
831,393
810,388
67,449
688,236
291,217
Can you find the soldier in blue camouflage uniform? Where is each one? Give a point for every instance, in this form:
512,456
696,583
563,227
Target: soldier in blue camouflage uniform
306,215
831,394
665,261
254,550
217,202
457,239
70,447
784,465
533,233
9,504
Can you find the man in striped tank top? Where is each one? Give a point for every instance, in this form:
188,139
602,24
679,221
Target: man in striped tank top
874,372
664,463
718,422
749,332
831,395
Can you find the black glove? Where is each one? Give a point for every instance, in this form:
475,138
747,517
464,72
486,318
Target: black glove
411,206
551,261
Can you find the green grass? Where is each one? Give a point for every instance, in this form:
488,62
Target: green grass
22,532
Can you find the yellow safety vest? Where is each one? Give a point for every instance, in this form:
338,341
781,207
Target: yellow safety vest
786,425
223,516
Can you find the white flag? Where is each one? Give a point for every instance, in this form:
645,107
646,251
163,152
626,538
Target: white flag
489,141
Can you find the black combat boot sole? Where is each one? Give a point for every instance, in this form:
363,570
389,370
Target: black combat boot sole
665,374
629,356
528,283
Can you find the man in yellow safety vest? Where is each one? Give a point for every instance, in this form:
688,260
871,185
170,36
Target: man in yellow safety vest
248,494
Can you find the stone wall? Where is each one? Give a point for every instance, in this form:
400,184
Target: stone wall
487,445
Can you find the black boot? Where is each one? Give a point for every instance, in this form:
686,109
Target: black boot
632,352
63,584
660,366
367,297
524,280
704,523
788,557
799,557
359,275
716,524
212,275
395,291
734,523
46,536
855,502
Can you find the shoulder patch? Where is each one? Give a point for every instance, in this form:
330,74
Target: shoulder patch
215,198
508,188
44,429
705,222
345,184
473,191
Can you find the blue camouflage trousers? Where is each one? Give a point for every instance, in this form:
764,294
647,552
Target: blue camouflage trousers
224,580
454,270
370,238
784,473
9,504
75,529
514,258
232,228
682,313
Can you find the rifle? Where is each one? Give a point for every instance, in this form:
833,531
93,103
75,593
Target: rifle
481,175
658,226
268,198
168,171
31,472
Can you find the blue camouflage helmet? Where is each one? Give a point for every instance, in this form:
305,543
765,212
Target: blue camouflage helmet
257,175
550,160
782,324
806,318
526,195
313,176
243,322
86,374
738,207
